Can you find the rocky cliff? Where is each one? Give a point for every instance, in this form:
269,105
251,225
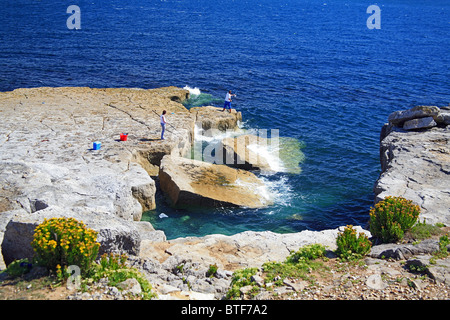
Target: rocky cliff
415,160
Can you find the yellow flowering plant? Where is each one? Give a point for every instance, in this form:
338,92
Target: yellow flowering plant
61,242
352,246
392,217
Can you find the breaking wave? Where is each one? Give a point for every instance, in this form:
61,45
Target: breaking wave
198,99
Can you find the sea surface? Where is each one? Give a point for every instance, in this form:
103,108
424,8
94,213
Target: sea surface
311,69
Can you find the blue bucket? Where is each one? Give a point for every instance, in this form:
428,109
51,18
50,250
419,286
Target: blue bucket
97,145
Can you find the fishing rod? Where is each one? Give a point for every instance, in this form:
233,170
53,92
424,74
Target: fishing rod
167,123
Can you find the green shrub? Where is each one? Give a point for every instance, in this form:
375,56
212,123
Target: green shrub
112,261
444,241
392,217
422,230
18,268
351,246
241,278
112,266
309,252
276,272
297,265
61,242
212,270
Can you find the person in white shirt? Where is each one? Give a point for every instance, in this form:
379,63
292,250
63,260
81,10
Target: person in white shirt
163,124
227,104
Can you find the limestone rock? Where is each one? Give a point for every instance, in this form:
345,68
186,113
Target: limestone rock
145,193
166,289
114,234
130,286
46,140
443,117
399,117
296,285
214,118
258,280
440,271
421,123
39,185
243,250
191,182
147,232
403,251
416,166
200,296
376,282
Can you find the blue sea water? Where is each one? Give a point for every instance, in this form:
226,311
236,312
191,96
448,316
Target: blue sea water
312,69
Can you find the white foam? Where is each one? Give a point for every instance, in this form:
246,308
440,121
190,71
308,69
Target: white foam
273,191
270,154
193,91
262,190
280,190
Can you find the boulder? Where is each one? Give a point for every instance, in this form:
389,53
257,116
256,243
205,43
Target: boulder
214,118
114,234
443,118
440,271
375,282
397,118
420,123
403,251
143,190
130,286
190,182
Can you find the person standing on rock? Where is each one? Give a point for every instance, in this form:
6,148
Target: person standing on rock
227,104
163,124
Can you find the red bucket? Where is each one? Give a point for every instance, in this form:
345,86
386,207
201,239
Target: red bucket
123,136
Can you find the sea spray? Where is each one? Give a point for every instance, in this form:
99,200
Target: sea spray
282,154
193,91
270,154
213,135
277,189
197,98
263,191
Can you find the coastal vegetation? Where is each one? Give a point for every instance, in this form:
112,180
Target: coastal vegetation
302,269
351,246
392,217
62,243
114,267
389,221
